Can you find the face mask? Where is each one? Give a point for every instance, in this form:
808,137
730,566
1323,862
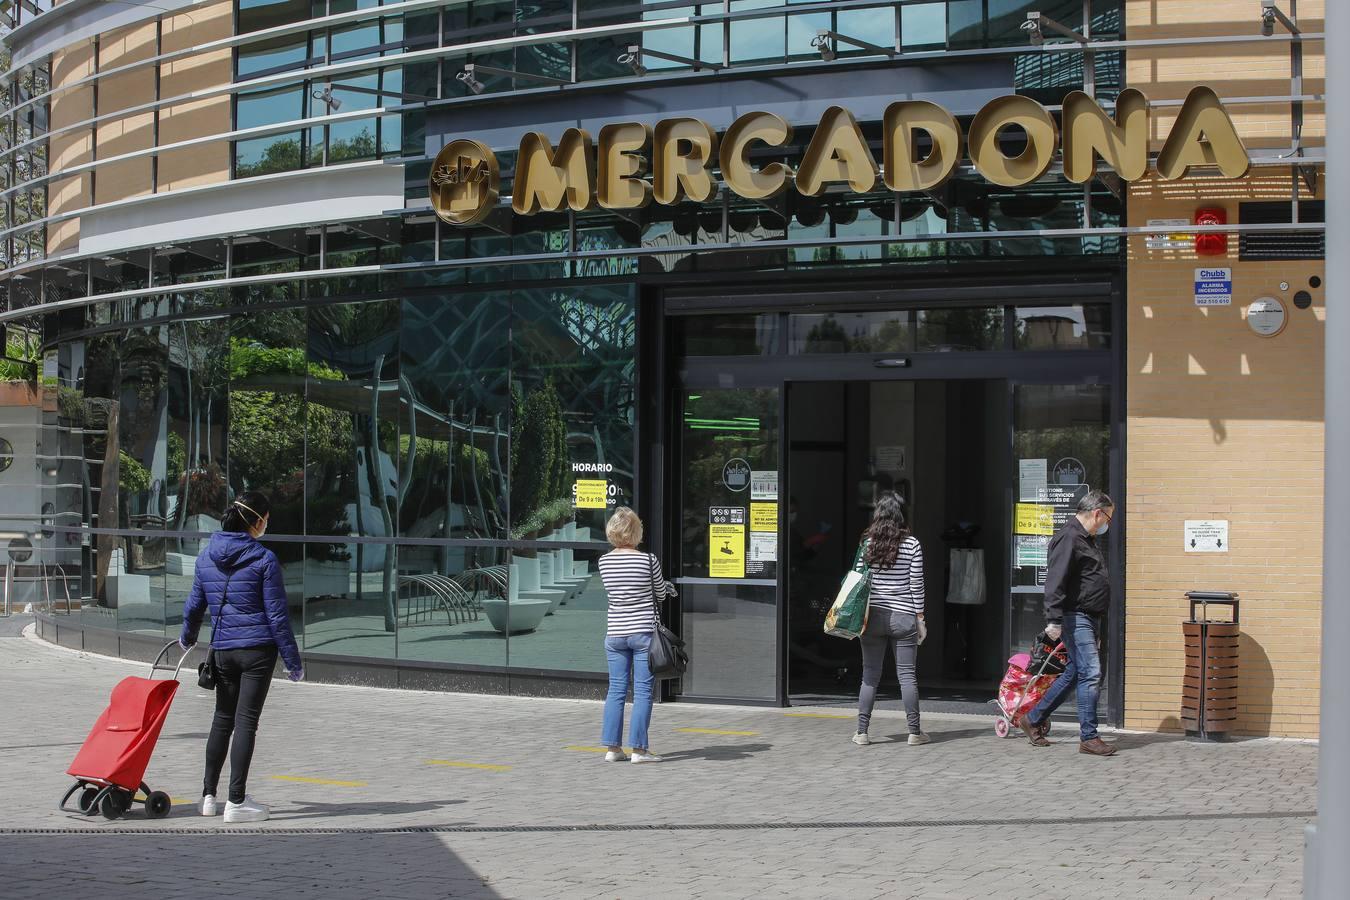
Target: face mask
1101,531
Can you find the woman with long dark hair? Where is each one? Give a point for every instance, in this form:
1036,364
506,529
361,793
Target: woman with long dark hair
239,581
894,612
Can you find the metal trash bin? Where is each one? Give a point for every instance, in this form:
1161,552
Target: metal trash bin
1209,703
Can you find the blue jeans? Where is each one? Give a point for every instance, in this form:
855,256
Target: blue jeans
1084,672
628,653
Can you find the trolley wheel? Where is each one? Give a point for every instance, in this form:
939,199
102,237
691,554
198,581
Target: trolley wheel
111,806
86,800
1001,728
157,804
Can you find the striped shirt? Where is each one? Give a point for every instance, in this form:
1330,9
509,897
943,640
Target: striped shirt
633,581
900,586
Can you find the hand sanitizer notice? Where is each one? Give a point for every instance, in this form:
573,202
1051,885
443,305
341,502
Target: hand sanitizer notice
1213,287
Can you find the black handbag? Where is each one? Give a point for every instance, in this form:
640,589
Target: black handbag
666,656
206,671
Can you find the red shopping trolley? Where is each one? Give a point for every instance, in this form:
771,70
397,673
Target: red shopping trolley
110,768
1028,677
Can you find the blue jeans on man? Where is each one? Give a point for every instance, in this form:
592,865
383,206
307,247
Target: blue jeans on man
1083,673
628,654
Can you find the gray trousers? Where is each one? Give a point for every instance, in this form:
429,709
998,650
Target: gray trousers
900,632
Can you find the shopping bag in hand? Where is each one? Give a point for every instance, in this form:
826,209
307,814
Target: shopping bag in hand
847,617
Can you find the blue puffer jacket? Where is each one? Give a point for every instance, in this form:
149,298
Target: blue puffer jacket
240,581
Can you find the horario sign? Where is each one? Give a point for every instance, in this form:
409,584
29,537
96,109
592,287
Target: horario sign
631,164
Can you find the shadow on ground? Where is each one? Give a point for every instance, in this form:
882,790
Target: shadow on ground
719,753
152,867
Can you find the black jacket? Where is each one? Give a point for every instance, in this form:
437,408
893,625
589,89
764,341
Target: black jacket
1075,578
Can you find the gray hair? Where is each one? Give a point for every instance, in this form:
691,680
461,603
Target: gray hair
1094,500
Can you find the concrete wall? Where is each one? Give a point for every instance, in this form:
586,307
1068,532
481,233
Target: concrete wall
1223,423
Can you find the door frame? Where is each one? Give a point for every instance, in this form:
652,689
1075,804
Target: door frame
661,369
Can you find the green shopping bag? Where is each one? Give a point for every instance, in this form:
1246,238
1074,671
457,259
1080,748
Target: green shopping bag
847,617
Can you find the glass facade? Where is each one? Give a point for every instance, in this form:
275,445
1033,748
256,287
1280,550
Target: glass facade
419,454
421,400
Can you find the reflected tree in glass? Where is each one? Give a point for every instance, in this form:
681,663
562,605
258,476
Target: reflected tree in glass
353,388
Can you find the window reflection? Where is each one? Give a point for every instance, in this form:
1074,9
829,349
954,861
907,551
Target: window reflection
753,334
456,433
1077,327
960,328
445,595
350,592
352,414
857,332
266,446
573,370
558,610
198,410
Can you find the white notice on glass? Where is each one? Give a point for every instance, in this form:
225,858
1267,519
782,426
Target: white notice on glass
763,546
1206,535
891,459
1031,479
764,485
1033,550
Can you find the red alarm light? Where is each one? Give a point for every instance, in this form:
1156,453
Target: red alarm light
1211,244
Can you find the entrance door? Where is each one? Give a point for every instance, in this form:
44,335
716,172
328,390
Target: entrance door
728,542
942,444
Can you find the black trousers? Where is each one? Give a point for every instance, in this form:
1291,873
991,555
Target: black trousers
242,680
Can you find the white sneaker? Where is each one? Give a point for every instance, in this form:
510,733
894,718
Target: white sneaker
208,806
638,757
615,756
917,739
248,811
861,739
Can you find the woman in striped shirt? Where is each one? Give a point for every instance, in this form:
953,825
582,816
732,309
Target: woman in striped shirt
633,582
894,612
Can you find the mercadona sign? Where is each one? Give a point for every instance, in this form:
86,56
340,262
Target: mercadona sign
680,154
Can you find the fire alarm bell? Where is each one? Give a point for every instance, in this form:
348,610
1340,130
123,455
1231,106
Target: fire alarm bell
1211,244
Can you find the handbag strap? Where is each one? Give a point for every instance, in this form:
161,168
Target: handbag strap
656,598
224,601
858,565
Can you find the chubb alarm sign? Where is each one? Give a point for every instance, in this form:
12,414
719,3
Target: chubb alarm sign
681,154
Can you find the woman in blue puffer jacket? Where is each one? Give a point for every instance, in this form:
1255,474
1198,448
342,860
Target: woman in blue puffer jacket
240,582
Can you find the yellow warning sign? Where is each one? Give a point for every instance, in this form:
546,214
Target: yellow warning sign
592,494
763,516
1035,518
726,551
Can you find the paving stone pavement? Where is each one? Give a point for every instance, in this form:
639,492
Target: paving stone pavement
407,795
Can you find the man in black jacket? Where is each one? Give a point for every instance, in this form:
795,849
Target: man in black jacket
1077,594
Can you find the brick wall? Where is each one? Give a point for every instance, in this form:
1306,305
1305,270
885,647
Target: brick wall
203,164
72,148
1222,423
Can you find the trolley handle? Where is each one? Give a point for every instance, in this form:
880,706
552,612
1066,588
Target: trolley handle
156,667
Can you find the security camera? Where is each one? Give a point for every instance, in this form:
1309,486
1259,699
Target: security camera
821,42
633,59
469,81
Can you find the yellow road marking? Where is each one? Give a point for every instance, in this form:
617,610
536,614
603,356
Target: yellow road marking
468,765
819,716
582,749
716,731
303,780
